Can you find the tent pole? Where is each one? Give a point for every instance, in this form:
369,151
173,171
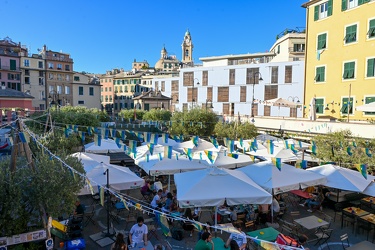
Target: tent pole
169,182
215,220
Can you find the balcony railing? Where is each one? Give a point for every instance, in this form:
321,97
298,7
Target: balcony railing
296,51
54,58
4,67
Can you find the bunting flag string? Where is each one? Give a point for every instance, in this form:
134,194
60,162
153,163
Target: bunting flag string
210,156
168,152
195,140
235,156
277,162
270,147
301,164
362,168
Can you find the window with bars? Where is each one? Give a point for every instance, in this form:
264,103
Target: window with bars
288,74
274,74
320,74
205,78
243,94
223,94
252,76
350,34
188,78
349,69
232,76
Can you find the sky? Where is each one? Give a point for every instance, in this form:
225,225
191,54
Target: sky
107,34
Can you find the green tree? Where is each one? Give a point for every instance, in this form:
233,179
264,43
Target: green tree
235,130
157,115
196,121
128,114
333,147
79,116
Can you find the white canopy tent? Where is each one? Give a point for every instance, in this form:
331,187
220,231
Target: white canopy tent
144,150
343,178
274,181
106,146
120,178
89,161
369,107
370,190
280,102
202,145
224,161
214,186
161,142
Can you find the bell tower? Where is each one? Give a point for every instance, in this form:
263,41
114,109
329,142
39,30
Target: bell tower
187,49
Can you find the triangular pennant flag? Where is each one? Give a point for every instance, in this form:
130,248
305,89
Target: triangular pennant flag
195,140
97,140
146,136
82,134
160,156
235,156
277,162
293,149
189,153
147,157
252,157
241,142
151,148
286,144
362,168
165,137
270,147
349,151
90,186
210,156
168,152
214,142
302,164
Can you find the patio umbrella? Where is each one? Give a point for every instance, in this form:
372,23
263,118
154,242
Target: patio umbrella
342,178
202,145
280,102
106,146
370,190
120,178
222,160
214,186
369,107
89,161
312,112
274,181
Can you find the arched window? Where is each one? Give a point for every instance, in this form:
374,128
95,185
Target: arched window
187,52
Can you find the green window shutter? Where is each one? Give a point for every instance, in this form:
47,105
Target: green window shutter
316,13
345,75
319,106
371,31
344,5
330,8
317,75
370,67
13,65
360,2
322,74
351,69
322,41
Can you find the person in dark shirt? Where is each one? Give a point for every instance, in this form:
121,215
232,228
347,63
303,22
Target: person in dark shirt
79,208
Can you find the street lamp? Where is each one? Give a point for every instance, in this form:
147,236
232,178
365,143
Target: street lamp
54,98
209,101
259,79
192,94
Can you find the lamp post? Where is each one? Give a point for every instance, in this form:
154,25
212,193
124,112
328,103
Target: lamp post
54,98
108,234
209,101
135,114
192,94
252,102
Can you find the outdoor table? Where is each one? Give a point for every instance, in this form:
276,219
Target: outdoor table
142,246
268,234
368,202
369,219
352,212
311,222
301,194
364,245
219,243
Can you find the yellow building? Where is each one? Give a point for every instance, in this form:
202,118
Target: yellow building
340,58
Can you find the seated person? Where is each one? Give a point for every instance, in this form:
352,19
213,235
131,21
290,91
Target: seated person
263,212
197,213
315,200
168,203
239,238
153,187
205,242
145,190
188,226
233,214
156,201
79,208
275,207
165,192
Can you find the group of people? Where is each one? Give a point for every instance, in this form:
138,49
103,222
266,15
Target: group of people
316,198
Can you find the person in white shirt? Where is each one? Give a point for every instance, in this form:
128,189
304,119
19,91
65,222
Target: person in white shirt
156,201
138,232
239,237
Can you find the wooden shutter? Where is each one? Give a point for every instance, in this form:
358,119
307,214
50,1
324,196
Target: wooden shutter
205,78
275,74
226,108
223,94
344,5
243,94
188,79
270,92
316,13
330,7
175,86
288,74
370,67
209,93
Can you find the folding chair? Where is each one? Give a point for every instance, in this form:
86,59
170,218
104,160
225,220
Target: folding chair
323,235
345,241
250,224
88,216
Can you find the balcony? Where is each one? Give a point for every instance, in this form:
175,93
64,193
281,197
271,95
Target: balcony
5,67
54,58
299,51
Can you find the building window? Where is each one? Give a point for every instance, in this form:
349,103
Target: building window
110,89
369,99
81,102
351,34
162,85
370,67
319,105
205,78
322,41
27,72
371,30
91,91
349,69
223,94
243,94
59,89
27,80
106,89
41,81
278,49
59,66
188,78
67,67
274,74
175,86
80,90
40,65
76,78
232,76
59,77
67,78
347,105
270,92
252,76
41,74
13,64
50,76
26,63
349,4
320,74
323,10
299,47
288,74
67,90
50,65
